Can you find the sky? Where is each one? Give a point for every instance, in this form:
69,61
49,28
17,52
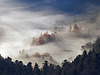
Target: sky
21,20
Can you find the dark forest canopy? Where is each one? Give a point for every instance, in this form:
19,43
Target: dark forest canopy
85,64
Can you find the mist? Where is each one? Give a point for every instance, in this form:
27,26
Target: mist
18,26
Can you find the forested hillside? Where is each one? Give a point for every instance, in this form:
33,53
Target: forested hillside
85,64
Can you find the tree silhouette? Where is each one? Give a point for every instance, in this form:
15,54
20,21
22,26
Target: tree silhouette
45,68
36,69
30,69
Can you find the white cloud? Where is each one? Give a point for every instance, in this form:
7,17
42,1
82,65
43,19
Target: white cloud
18,26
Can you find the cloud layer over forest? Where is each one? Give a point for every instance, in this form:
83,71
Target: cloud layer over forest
21,21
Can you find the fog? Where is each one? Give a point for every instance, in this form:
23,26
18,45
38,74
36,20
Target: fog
18,26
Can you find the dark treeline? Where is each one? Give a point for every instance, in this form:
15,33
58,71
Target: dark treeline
85,64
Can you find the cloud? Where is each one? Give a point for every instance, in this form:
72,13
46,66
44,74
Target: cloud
36,57
18,25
